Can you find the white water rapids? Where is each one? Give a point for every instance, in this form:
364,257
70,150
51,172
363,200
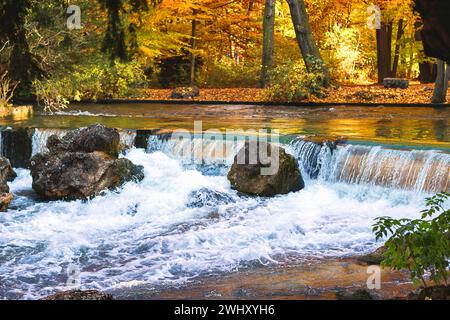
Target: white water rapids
181,221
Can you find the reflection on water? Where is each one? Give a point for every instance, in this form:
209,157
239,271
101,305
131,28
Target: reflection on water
397,125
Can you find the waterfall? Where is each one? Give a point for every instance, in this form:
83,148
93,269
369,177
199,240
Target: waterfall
40,137
311,156
197,150
422,171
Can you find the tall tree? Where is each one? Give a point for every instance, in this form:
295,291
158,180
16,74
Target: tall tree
384,51
114,42
268,40
305,39
400,31
23,65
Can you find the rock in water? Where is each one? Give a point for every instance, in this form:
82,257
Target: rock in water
6,174
79,167
361,294
90,139
80,295
5,200
267,173
374,258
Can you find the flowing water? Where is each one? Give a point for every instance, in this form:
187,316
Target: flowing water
183,220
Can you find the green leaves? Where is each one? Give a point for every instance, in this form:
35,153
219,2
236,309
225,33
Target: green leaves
292,82
420,245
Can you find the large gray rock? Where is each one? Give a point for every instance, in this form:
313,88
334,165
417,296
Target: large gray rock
249,179
6,174
78,167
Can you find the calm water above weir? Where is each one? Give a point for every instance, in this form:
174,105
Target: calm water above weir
425,127
183,221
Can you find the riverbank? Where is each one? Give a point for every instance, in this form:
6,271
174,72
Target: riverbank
417,93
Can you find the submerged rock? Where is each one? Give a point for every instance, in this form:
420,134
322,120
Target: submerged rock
208,198
6,174
80,295
78,166
273,172
185,93
360,294
374,258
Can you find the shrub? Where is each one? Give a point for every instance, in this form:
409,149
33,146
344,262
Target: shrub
6,90
52,94
226,72
291,81
421,245
93,81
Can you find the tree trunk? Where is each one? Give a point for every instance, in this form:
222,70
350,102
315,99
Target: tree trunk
268,41
384,42
397,48
305,38
193,47
428,72
441,86
114,41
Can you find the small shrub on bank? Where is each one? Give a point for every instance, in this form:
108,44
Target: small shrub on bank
98,80
291,82
421,246
227,73
6,90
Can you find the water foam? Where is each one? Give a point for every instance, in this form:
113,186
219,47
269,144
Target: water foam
151,233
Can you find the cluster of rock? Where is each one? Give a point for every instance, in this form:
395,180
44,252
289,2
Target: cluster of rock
6,174
82,164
